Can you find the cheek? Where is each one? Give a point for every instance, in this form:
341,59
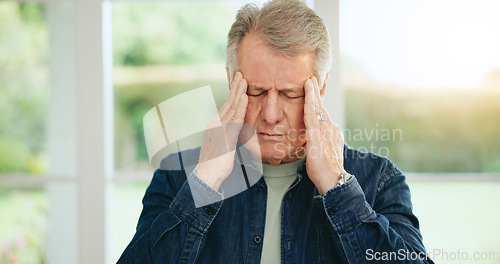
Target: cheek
297,137
253,111
295,116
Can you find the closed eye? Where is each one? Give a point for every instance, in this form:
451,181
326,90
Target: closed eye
257,95
292,97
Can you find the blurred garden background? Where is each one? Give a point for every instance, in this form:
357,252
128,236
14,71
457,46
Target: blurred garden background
163,49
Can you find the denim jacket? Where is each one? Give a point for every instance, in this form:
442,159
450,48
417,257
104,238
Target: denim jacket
369,219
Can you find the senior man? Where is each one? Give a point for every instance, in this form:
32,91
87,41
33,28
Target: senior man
318,200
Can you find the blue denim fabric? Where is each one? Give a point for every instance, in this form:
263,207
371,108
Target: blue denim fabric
372,211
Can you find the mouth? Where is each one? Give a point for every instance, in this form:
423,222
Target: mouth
272,136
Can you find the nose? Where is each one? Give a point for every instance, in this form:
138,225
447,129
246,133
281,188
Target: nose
272,110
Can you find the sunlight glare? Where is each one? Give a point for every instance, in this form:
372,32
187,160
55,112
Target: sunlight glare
445,43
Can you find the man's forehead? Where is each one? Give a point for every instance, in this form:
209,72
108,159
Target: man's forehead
264,68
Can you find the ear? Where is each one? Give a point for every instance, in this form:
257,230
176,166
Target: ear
323,89
228,78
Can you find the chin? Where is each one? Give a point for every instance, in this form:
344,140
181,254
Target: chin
274,152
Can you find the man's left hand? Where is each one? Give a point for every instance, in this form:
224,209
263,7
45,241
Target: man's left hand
324,141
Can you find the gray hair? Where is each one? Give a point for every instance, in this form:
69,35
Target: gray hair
288,27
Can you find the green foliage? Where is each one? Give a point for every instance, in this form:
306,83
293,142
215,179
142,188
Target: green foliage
23,89
14,155
442,130
33,13
169,33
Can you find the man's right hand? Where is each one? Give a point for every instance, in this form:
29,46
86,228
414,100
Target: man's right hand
221,136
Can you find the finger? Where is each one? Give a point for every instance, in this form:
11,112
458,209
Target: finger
316,90
236,113
234,84
241,110
309,104
229,107
241,88
316,107
318,100
232,93
236,110
319,103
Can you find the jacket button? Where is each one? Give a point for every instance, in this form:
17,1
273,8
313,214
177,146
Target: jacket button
210,210
262,187
257,239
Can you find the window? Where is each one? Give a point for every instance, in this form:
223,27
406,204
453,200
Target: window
23,146
78,76
422,81
422,84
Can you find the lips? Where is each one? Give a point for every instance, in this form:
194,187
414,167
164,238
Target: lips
272,136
